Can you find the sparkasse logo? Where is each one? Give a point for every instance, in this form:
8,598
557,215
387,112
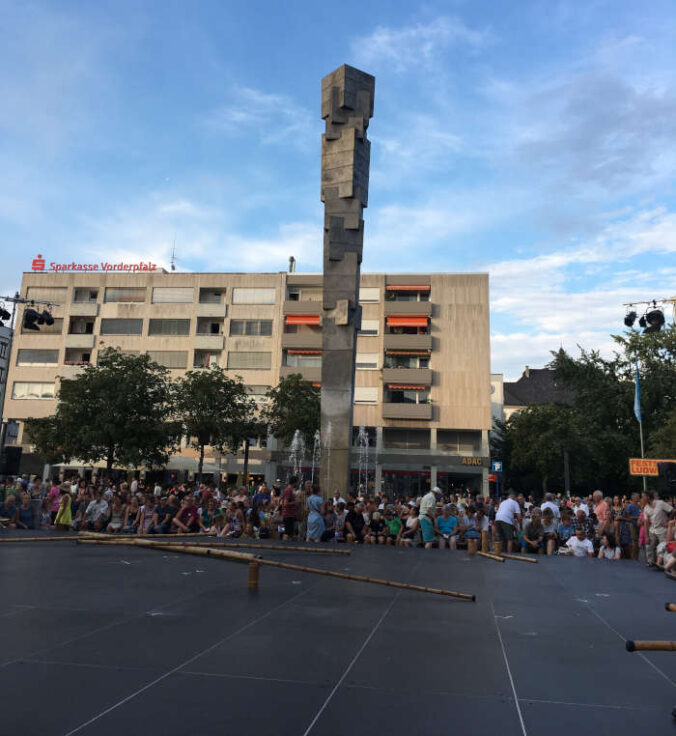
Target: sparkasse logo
38,263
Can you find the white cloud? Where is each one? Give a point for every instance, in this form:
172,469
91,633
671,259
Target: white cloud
273,118
415,45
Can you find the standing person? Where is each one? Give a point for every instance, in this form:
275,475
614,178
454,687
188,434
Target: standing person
64,516
428,507
289,508
656,514
602,511
508,513
315,521
630,516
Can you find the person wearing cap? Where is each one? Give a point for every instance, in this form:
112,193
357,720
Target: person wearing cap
428,506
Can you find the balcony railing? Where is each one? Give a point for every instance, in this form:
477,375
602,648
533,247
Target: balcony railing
408,342
422,376
407,411
417,308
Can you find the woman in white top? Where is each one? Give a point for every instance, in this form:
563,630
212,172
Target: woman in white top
609,550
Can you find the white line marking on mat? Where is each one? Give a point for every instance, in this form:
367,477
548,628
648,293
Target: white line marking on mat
180,666
509,672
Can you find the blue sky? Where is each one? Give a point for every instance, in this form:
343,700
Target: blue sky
532,140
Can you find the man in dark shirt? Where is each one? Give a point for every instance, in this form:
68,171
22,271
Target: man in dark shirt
354,524
186,519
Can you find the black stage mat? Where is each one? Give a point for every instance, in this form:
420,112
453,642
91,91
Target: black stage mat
110,641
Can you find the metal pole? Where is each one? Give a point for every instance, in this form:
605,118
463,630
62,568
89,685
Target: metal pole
566,472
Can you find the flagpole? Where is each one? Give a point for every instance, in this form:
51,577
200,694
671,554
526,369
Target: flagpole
645,480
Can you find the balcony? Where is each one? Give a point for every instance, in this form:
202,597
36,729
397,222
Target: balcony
421,376
407,411
290,307
80,341
84,309
417,308
309,374
212,310
408,342
209,342
302,340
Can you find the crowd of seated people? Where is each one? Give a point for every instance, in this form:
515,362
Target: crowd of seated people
621,527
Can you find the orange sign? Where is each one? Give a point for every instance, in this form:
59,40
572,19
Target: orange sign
647,466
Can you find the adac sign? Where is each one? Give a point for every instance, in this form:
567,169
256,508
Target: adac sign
475,461
39,264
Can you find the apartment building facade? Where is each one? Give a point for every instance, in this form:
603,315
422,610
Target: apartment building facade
422,379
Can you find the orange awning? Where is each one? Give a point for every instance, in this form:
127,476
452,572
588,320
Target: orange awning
406,387
407,321
302,319
410,353
300,351
408,287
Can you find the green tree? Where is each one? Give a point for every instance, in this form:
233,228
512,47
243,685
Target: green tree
212,410
538,436
115,411
663,441
294,404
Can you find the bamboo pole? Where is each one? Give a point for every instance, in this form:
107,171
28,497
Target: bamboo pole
472,545
253,575
651,646
521,558
176,539
187,549
670,607
243,557
69,538
497,558
363,579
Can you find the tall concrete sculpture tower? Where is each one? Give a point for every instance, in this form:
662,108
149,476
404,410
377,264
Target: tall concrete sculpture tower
347,107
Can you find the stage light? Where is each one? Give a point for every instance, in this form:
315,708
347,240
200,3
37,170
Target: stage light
655,320
47,318
4,314
630,318
30,317
642,322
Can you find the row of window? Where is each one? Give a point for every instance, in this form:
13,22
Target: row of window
206,295
175,327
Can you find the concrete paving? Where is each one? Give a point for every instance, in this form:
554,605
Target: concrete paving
107,640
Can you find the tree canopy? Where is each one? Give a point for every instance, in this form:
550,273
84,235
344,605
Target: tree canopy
116,411
294,404
212,409
599,430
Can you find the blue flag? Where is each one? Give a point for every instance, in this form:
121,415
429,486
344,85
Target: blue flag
637,396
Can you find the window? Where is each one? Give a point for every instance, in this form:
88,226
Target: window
367,361
251,327
211,296
369,327
82,294
253,296
258,393
206,359
55,329
365,395
407,396
299,360
37,357
369,294
125,294
121,326
169,358
407,361
172,295
3,375
406,439
81,326
249,361
32,390
370,435
208,326
453,440
56,294
169,327
3,349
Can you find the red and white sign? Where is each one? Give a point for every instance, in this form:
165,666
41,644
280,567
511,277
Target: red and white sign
39,264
